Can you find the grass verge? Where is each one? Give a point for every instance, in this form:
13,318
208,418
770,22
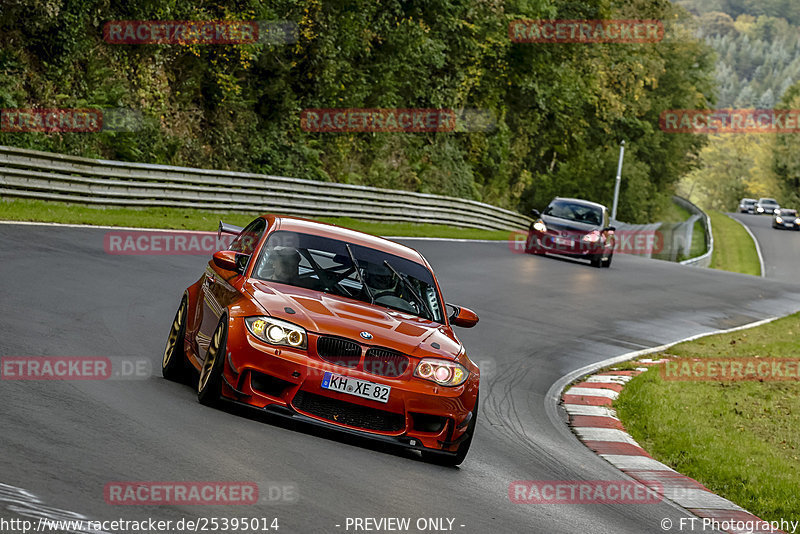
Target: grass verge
191,219
740,439
734,249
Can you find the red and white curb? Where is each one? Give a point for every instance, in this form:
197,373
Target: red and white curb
591,417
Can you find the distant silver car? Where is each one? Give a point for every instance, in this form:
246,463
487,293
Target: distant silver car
786,218
747,205
767,206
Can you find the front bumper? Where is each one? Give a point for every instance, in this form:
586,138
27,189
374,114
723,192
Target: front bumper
568,245
419,414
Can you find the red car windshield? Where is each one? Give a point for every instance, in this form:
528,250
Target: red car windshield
324,264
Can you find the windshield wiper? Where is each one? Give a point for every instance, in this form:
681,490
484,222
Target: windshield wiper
358,274
411,290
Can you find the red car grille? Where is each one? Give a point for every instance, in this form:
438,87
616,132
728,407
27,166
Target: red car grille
348,413
339,351
384,362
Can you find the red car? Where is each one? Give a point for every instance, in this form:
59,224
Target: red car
332,326
573,227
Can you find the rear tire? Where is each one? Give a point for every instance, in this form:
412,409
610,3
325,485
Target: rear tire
209,385
173,364
457,458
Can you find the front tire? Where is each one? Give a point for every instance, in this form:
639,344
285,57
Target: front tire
596,260
607,262
173,364
209,385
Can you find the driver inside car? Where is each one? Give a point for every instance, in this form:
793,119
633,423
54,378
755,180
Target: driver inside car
285,265
379,278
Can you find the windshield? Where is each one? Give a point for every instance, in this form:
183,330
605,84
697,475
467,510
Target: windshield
575,212
324,264
788,213
768,201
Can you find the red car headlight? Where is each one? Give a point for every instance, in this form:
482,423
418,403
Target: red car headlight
277,332
443,372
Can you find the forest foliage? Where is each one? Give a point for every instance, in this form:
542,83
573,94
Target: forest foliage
757,44
560,109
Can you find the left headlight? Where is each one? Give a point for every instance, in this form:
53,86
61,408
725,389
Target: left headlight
592,237
277,332
443,372
797,221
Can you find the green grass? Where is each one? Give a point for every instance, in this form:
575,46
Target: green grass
734,249
740,439
190,219
673,213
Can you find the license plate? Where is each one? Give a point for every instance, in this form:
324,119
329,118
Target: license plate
354,386
563,241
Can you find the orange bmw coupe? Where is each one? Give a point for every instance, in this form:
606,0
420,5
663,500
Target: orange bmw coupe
331,326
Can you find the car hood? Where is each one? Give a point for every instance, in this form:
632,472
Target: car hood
555,223
329,314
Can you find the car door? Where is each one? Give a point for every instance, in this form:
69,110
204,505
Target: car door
217,288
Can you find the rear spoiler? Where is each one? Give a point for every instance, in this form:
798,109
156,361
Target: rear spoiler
225,228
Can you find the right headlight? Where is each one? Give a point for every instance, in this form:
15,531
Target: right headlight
778,220
277,332
443,372
539,226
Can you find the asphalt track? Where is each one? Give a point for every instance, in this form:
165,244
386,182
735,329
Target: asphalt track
62,295
780,248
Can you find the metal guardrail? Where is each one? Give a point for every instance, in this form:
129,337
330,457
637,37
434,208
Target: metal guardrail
50,176
703,260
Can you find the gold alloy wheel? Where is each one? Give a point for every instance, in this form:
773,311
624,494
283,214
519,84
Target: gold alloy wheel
211,359
174,333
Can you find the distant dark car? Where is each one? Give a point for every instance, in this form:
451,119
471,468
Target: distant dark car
573,227
786,218
747,205
766,205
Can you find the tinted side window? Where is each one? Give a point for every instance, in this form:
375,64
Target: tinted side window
247,240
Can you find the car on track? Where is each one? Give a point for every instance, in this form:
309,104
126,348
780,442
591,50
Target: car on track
766,206
574,227
333,327
747,205
786,218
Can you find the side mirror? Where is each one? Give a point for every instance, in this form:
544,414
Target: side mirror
535,213
611,229
463,317
230,260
